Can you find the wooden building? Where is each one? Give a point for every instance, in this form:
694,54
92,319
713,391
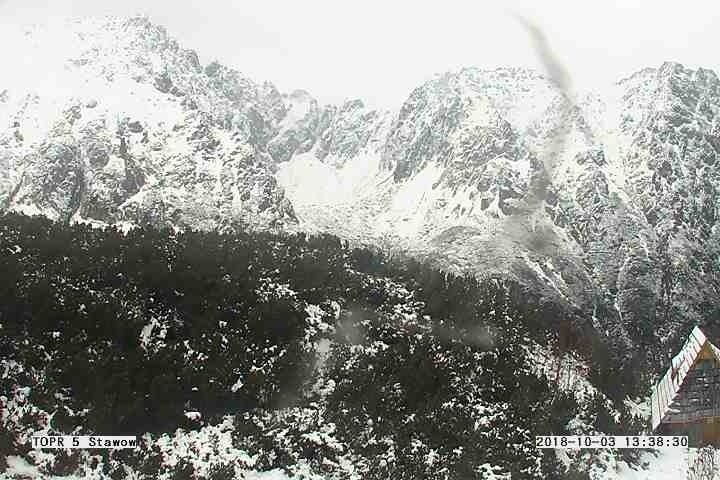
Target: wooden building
686,400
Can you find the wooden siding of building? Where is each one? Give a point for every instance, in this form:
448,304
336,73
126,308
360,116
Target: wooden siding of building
711,433
698,433
697,399
664,392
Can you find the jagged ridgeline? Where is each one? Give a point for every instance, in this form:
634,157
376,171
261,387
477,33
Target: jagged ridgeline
311,353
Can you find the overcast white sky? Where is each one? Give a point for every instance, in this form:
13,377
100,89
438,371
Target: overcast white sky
380,50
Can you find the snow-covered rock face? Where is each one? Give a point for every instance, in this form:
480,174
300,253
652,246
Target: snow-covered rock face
606,200
111,120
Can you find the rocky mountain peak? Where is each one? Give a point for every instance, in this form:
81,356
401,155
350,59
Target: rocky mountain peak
138,131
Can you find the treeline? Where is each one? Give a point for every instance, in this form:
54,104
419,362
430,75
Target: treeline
123,333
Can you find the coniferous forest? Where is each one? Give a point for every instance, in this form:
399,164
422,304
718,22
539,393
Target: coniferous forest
312,357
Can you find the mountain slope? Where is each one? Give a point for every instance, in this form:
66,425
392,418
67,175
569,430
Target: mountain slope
605,203
254,352
128,126
620,222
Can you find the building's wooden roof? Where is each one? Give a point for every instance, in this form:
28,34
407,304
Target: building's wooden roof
666,390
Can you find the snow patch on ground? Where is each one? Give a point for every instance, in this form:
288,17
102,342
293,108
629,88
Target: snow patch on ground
671,464
33,210
569,372
310,181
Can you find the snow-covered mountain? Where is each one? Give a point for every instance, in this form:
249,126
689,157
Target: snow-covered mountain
113,121
605,201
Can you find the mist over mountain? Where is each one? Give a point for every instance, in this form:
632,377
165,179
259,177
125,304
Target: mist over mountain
112,123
